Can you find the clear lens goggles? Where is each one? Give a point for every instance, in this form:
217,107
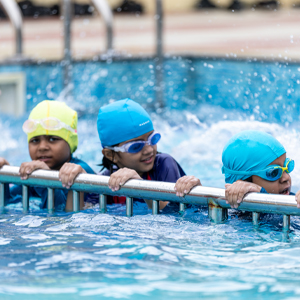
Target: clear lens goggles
49,123
271,173
135,147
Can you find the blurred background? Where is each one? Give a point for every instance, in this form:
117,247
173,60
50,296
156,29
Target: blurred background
204,69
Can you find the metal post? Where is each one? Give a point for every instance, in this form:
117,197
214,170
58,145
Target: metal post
286,223
104,9
2,196
181,208
76,201
159,59
216,213
285,228
67,17
255,219
50,200
129,206
25,198
103,203
155,207
14,13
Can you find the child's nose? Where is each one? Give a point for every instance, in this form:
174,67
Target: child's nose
43,145
285,177
147,149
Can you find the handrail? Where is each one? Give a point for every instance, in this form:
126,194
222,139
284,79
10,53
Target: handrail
14,13
104,9
214,198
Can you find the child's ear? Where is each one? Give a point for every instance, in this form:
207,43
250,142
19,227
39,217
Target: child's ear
108,154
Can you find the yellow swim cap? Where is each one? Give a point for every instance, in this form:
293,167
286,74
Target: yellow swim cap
62,112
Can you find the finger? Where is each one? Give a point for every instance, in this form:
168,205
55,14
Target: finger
191,184
22,171
63,175
180,186
112,181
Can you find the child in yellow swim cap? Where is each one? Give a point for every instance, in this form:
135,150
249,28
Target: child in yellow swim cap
52,139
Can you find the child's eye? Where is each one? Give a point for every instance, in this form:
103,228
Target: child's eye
53,139
34,140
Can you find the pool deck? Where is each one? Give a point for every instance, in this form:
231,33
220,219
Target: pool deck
261,34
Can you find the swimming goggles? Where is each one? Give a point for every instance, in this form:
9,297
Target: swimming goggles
137,146
271,173
49,123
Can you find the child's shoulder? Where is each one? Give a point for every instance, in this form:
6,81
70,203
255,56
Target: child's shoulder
165,167
83,164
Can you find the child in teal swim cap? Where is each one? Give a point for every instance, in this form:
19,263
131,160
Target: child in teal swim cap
129,144
254,161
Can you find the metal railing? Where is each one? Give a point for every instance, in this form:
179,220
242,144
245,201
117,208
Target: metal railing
14,14
159,57
104,10
214,198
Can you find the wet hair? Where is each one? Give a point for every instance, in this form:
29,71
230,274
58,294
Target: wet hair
249,179
107,164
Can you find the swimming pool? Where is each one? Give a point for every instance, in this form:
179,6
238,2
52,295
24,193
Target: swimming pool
90,255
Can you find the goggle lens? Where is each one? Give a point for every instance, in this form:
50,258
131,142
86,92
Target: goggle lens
29,126
274,174
51,124
155,139
290,165
136,147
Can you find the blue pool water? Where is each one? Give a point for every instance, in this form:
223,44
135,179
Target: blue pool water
90,255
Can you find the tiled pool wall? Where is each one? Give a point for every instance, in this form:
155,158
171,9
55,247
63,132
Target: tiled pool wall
267,90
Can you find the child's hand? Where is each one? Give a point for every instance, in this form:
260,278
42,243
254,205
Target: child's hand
235,192
297,197
3,162
68,172
119,178
27,168
185,184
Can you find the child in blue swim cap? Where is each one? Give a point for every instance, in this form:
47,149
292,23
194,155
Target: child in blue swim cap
129,144
254,161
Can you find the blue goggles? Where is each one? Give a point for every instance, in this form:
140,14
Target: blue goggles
271,173
137,146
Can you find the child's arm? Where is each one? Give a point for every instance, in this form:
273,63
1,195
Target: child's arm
235,192
27,168
185,184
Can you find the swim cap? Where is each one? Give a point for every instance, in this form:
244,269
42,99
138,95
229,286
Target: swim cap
60,111
249,151
121,121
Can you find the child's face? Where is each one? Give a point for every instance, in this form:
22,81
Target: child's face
52,150
142,161
281,186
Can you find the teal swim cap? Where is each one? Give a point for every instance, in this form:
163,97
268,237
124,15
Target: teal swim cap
249,151
121,121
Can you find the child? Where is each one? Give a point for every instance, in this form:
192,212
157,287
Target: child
52,139
130,148
254,161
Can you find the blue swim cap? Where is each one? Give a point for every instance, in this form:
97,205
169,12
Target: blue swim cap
121,121
249,151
